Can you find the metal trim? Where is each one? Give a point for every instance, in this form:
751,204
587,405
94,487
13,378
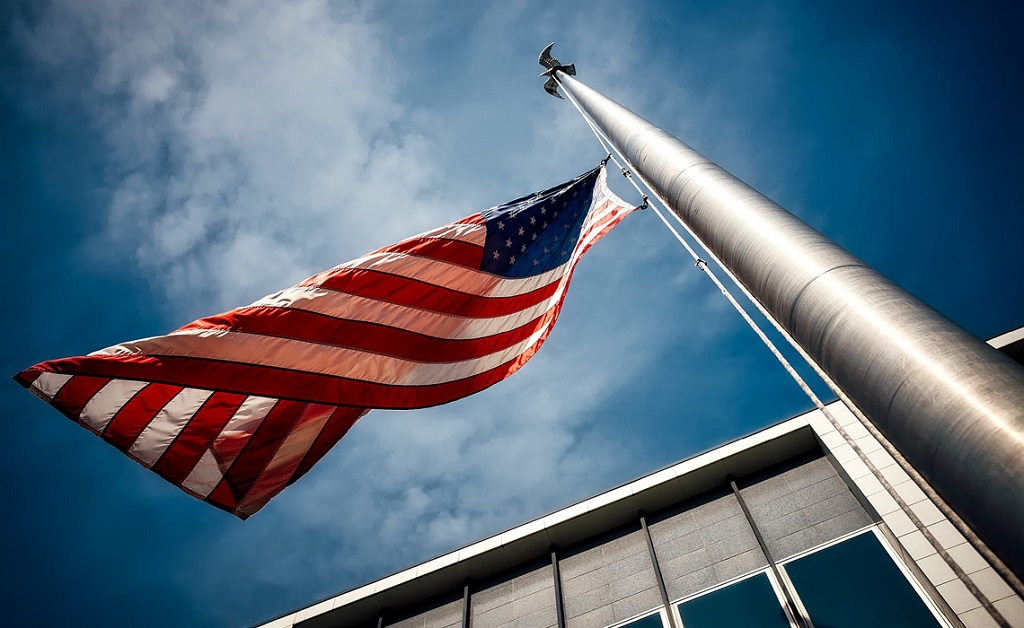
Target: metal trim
559,602
793,609
657,570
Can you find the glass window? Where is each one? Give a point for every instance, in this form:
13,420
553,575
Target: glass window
651,621
855,583
749,602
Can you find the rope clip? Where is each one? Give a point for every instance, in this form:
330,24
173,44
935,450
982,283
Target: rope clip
646,202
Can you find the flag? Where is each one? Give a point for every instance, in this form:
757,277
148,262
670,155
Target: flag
235,407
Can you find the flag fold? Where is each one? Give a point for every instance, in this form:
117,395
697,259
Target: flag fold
234,407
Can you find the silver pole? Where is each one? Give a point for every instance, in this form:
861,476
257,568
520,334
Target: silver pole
952,405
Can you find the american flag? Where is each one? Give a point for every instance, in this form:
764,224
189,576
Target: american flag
235,407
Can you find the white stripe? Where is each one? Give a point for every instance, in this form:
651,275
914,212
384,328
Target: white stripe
49,384
356,308
105,403
461,278
349,306
472,281
312,357
206,474
475,233
448,275
330,360
426,374
158,435
317,358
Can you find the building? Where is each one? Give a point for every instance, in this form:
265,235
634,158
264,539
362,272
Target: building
808,518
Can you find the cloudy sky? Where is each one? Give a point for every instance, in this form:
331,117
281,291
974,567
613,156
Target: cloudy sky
163,161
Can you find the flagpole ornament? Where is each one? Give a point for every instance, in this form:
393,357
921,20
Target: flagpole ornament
952,405
553,65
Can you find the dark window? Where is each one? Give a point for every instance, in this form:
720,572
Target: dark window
749,602
855,583
651,621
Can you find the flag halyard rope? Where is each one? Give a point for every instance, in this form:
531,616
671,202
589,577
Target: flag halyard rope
612,151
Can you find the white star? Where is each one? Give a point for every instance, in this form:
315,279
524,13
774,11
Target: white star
534,237
545,225
501,225
547,250
543,211
508,243
564,253
533,220
522,231
523,250
512,260
496,256
536,263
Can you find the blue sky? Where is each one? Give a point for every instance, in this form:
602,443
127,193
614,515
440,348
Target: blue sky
163,161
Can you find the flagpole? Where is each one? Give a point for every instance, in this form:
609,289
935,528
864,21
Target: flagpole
952,405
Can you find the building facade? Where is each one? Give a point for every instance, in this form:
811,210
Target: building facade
814,521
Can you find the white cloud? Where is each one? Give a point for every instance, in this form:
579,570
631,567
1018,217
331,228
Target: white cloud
252,142
255,143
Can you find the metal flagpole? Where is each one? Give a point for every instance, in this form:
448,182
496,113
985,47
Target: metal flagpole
951,404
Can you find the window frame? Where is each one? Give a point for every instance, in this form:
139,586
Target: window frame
894,556
777,587
780,596
659,611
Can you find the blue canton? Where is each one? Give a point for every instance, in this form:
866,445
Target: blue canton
537,233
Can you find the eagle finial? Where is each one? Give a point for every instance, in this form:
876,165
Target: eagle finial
553,65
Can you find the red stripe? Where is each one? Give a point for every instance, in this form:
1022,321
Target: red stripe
261,447
453,251
337,426
27,377
283,383
136,414
222,497
415,293
76,393
420,294
274,382
280,469
400,343
193,441
610,221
